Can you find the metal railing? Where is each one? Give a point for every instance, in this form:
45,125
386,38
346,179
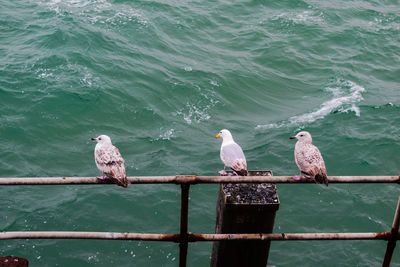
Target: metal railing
184,237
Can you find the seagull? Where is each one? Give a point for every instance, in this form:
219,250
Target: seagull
231,154
309,159
109,161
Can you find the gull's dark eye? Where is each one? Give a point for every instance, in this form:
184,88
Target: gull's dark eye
100,138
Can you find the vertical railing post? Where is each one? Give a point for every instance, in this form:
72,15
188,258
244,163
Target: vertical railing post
183,243
393,237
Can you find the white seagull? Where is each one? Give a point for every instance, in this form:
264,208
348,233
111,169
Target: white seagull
309,159
231,154
109,161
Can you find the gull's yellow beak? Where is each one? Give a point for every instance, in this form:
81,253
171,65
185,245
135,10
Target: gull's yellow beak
218,136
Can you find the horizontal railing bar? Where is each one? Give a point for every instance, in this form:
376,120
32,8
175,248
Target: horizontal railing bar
192,179
193,237
88,235
289,179
291,236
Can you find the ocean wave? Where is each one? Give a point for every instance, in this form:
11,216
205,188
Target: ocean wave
384,22
387,105
165,134
198,111
193,113
346,94
304,17
121,17
85,76
97,11
61,6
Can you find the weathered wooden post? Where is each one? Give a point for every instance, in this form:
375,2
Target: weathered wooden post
244,208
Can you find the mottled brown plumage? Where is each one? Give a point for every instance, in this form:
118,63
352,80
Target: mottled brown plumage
309,159
109,160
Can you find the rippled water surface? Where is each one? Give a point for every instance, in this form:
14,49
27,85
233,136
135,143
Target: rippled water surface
161,78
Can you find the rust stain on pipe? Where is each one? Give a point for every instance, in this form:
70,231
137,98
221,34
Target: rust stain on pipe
383,235
185,179
171,237
196,237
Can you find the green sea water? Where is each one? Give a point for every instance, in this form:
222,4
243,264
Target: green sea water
161,78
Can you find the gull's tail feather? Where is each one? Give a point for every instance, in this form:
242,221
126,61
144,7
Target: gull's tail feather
118,176
321,179
242,172
122,181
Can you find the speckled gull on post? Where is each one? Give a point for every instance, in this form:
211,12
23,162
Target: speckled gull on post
309,159
109,161
231,154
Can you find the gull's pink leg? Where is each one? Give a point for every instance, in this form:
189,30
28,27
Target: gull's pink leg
102,177
297,177
223,172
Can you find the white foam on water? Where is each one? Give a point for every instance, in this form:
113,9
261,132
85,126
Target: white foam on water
303,17
85,75
44,73
346,94
198,109
87,79
166,134
383,22
97,11
354,109
121,17
194,113
214,83
60,6
93,258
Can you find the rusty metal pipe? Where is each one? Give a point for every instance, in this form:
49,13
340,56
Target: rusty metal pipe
291,236
88,235
290,180
192,179
394,236
193,237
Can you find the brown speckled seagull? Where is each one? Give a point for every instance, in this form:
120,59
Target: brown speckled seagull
309,159
231,154
109,161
